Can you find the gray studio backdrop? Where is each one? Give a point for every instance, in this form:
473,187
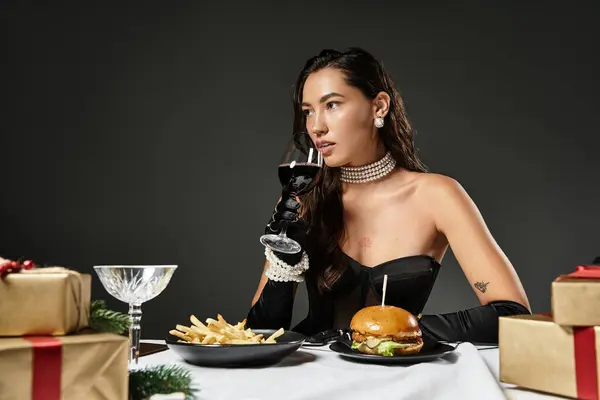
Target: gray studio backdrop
152,135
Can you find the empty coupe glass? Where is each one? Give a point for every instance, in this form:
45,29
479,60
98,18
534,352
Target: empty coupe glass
135,285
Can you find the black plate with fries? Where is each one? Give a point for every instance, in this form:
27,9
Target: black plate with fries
238,355
217,343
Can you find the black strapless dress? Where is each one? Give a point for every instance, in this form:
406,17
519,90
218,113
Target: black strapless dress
410,281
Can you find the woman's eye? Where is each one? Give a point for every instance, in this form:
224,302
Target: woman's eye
332,104
306,112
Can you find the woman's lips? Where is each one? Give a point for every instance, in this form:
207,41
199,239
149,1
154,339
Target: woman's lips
325,147
326,150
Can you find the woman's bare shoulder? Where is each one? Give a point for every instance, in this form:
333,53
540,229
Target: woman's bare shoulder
429,183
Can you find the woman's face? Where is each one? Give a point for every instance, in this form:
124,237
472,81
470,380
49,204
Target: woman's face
340,119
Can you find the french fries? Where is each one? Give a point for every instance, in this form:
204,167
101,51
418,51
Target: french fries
219,331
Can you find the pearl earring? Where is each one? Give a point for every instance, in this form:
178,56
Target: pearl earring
379,122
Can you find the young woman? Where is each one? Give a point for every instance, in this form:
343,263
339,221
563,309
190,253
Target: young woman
375,210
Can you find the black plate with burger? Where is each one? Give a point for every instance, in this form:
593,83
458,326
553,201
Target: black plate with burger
388,334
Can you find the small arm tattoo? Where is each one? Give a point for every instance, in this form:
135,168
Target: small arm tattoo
481,286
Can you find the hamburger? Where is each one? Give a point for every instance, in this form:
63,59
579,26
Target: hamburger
385,330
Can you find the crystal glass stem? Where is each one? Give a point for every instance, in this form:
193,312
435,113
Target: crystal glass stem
135,330
282,233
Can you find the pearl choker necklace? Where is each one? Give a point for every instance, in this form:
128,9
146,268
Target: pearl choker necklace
369,172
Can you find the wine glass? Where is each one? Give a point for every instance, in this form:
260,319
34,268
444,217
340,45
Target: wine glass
298,169
135,285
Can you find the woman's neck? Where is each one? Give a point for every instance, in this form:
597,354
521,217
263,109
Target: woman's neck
369,157
368,172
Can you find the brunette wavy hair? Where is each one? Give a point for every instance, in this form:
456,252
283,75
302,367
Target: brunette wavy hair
322,207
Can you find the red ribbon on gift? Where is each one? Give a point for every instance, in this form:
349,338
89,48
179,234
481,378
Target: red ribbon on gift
586,369
47,367
584,272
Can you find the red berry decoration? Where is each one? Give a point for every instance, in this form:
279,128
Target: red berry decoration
28,264
8,267
14,267
4,267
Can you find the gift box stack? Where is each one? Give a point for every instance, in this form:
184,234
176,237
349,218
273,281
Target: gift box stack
47,350
557,353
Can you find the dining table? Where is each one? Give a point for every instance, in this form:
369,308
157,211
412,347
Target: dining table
469,372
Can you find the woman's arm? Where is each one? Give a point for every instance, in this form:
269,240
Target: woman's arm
484,264
273,302
261,284
272,305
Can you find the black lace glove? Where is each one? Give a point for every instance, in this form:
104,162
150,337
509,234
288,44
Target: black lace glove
274,307
476,325
286,216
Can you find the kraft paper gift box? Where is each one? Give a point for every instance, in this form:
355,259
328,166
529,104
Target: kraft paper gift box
536,353
91,366
576,297
44,301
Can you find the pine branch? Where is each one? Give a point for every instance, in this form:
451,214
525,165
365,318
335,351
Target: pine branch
161,379
104,320
97,305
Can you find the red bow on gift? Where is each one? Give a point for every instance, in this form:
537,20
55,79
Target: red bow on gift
584,272
15,266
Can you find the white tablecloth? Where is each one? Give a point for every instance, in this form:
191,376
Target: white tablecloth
318,373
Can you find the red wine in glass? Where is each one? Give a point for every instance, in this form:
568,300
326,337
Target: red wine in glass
297,171
298,177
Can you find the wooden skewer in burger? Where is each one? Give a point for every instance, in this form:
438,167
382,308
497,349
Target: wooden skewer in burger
385,330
